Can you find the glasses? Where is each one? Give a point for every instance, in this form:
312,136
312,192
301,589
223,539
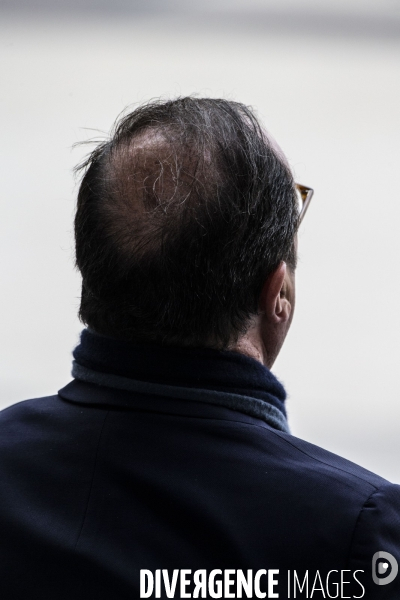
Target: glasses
303,195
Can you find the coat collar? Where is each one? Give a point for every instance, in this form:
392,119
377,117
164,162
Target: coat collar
206,376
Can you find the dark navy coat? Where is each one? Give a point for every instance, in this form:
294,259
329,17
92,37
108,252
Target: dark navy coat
98,483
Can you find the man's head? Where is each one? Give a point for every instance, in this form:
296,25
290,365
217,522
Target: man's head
184,220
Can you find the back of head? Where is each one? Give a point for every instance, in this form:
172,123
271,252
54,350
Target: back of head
181,217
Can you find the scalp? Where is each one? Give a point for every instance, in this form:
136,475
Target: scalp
154,181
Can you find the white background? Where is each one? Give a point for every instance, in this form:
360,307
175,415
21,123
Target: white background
325,79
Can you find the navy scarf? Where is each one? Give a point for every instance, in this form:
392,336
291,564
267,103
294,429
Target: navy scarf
204,375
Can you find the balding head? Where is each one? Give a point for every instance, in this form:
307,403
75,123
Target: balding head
155,180
181,216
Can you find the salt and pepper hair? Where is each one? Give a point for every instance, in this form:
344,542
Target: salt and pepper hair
182,215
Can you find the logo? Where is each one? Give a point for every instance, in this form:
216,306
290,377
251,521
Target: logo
384,568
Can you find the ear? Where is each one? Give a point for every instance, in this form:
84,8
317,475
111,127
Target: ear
275,300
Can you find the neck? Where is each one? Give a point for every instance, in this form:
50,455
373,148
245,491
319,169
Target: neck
252,345
252,348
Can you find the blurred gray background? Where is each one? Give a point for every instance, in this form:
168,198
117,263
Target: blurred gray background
324,77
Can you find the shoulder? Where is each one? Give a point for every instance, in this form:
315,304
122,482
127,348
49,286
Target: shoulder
44,420
44,409
334,504
326,483
319,462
